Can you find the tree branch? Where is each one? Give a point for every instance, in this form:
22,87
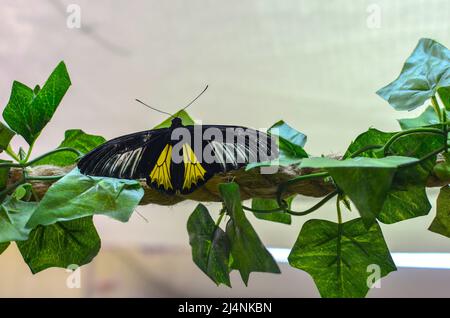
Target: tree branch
252,184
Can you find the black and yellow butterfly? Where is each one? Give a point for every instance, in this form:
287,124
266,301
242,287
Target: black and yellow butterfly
151,155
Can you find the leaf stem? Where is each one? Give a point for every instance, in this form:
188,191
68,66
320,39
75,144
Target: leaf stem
222,213
289,211
10,165
44,178
428,156
364,149
314,207
445,129
11,153
29,152
338,209
284,185
63,149
29,163
436,107
409,132
279,209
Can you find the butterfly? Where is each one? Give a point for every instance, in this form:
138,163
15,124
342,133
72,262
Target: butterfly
180,158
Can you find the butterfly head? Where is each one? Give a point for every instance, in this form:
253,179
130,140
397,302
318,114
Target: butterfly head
176,122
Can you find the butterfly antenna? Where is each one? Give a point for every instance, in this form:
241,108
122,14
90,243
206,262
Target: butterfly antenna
141,215
160,111
204,90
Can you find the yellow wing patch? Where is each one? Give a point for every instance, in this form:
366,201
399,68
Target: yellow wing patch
193,170
161,172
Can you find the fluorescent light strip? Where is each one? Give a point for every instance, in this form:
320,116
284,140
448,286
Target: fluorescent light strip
405,260
422,260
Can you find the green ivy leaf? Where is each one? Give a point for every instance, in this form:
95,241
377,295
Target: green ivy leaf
289,153
27,113
20,192
6,135
441,223
427,118
210,246
407,197
14,215
416,146
290,144
248,252
288,133
338,257
372,137
22,154
442,170
76,195
21,97
290,147
366,181
23,192
182,114
3,247
269,204
61,244
423,73
36,89
74,138
405,203
444,94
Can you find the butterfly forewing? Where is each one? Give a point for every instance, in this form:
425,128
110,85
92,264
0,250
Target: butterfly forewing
123,157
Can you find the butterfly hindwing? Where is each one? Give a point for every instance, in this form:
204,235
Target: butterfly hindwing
193,169
160,175
195,172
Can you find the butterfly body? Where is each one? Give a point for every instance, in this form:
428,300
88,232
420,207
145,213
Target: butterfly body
179,158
